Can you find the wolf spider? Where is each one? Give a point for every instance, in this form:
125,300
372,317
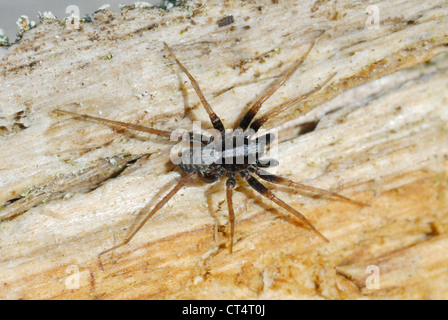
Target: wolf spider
242,159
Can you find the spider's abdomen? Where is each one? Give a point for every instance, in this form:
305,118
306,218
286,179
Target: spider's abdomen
233,153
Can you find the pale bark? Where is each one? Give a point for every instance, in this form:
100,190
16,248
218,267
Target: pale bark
70,189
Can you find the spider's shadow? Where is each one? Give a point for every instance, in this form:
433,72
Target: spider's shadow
280,214
213,208
187,108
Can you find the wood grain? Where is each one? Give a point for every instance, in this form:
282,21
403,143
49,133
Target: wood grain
70,189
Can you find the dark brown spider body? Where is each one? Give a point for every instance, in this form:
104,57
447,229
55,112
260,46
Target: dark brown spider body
229,153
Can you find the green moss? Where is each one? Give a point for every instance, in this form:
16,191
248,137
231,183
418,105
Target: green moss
107,57
27,192
4,40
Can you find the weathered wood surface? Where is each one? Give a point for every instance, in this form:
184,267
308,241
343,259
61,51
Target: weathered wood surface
70,189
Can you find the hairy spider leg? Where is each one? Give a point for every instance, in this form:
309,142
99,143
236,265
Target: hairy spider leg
216,121
249,116
260,121
156,208
126,125
230,184
286,182
260,188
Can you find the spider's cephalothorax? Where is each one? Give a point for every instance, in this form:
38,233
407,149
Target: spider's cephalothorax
230,154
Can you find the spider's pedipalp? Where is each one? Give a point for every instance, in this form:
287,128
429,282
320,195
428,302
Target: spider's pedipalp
267,163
